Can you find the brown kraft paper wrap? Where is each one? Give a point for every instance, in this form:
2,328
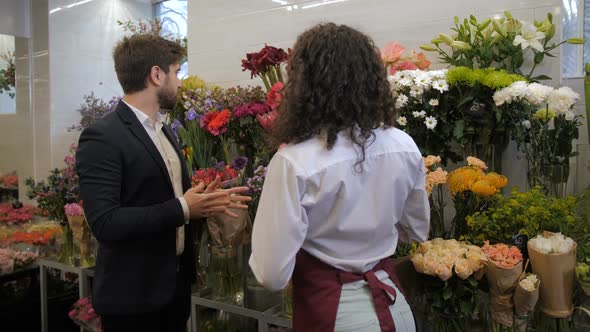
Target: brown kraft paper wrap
502,282
227,231
557,273
81,234
524,305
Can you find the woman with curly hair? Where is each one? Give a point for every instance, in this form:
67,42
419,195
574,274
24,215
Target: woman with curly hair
342,192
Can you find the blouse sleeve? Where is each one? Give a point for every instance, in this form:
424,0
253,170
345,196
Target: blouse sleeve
280,226
415,221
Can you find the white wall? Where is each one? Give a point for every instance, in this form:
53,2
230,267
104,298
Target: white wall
15,18
81,41
221,32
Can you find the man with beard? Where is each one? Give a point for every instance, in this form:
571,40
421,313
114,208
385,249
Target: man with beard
137,199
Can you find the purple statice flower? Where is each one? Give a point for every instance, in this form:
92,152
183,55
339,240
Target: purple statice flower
190,115
239,163
256,182
187,104
219,166
208,104
92,110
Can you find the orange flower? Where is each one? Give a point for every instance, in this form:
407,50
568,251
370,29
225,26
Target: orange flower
497,180
503,255
483,188
420,60
218,124
463,178
392,52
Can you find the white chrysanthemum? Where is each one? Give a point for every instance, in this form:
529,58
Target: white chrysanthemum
402,121
401,101
406,81
433,102
502,96
537,94
416,91
440,85
438,74
518,89
420,114
526,124
562,99
430,122
423,79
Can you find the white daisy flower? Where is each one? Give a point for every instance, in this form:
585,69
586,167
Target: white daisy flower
430,122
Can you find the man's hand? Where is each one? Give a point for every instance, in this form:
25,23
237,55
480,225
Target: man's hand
210,201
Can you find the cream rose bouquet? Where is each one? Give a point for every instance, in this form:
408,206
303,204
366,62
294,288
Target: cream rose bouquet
451,270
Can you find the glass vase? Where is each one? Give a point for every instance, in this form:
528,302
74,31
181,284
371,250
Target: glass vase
555,179
66,245
225,276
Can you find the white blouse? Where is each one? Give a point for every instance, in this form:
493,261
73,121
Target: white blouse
313,198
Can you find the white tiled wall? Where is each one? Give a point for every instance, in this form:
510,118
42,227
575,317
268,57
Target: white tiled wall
221,32
81,41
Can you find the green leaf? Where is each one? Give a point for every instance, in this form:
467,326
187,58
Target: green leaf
447,293
459,128
539,57
540,78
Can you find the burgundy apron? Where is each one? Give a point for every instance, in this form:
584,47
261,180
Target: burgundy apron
317,287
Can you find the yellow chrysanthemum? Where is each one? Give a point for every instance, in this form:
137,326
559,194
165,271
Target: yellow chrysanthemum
497,180
191,83
544,114
463,178
483,188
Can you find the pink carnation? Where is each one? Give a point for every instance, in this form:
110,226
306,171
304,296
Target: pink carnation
73,209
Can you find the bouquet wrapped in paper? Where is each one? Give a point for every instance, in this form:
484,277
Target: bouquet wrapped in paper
553,258
81,233
526,297
451,271
583,274
503,272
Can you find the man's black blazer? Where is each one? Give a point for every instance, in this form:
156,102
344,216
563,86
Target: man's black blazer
130,205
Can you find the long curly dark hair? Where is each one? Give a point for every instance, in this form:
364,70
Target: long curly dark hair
337,83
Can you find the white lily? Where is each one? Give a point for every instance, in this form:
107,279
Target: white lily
529,37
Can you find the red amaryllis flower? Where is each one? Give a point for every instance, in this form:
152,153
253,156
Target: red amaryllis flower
267,119
258,63
275,96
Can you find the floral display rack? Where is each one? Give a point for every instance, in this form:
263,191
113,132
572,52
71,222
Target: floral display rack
266,318
84,275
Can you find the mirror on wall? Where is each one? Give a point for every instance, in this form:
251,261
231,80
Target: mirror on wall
7,75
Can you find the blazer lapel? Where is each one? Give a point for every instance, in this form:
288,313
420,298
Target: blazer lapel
186,182
137,129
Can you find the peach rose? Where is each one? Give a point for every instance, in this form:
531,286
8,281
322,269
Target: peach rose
463,268
430,264
443,272
472,161
418,260
431,160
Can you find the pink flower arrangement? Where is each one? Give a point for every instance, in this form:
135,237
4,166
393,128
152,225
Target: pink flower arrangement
74,209
12,216
502,254
250,109
83,312
393,58
10,259
266,120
